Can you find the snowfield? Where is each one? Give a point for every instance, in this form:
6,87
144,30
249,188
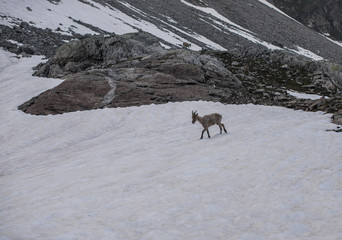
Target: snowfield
143,173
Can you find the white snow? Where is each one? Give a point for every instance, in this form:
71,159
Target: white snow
164,45
306,53
277,9
200,38
249,36
177,40
232,27
214,13
44,14
14,42
245,33
171,20
47,15
326,35
303,95
143,173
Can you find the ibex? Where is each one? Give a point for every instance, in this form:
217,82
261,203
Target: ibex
186,45
207,121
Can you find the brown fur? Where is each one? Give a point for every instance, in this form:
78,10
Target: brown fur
207,121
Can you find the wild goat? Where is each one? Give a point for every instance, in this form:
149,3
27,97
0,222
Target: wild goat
207,121
186,45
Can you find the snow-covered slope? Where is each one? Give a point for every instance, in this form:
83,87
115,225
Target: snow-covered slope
216,25
143,173
67,18
63,15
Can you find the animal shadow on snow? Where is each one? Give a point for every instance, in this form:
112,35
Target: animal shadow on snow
216,136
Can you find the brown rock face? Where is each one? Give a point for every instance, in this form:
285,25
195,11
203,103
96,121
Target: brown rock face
146,87
79,92
122,87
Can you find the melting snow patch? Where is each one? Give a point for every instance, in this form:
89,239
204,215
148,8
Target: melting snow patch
164,45
326,35
277,9
306,53
214,13
235,28
175,39
170,19
14,42
303,95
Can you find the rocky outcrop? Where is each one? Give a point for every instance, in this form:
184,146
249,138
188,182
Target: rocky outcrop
144,74
98,52
133,70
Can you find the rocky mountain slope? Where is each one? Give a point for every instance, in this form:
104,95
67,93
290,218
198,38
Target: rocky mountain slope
321,15
133,69
215,25
236,52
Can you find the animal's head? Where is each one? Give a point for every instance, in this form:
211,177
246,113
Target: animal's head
194,116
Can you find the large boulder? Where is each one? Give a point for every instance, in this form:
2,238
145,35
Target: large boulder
88,49
92,51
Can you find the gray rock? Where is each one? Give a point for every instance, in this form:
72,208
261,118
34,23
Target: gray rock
55,71
78,51
90,51
337,117
26,48
235,64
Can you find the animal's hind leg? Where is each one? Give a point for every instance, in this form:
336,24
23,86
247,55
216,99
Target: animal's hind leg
224,128
220,128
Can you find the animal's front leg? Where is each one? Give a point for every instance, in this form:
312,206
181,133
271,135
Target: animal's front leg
208,133
202,133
